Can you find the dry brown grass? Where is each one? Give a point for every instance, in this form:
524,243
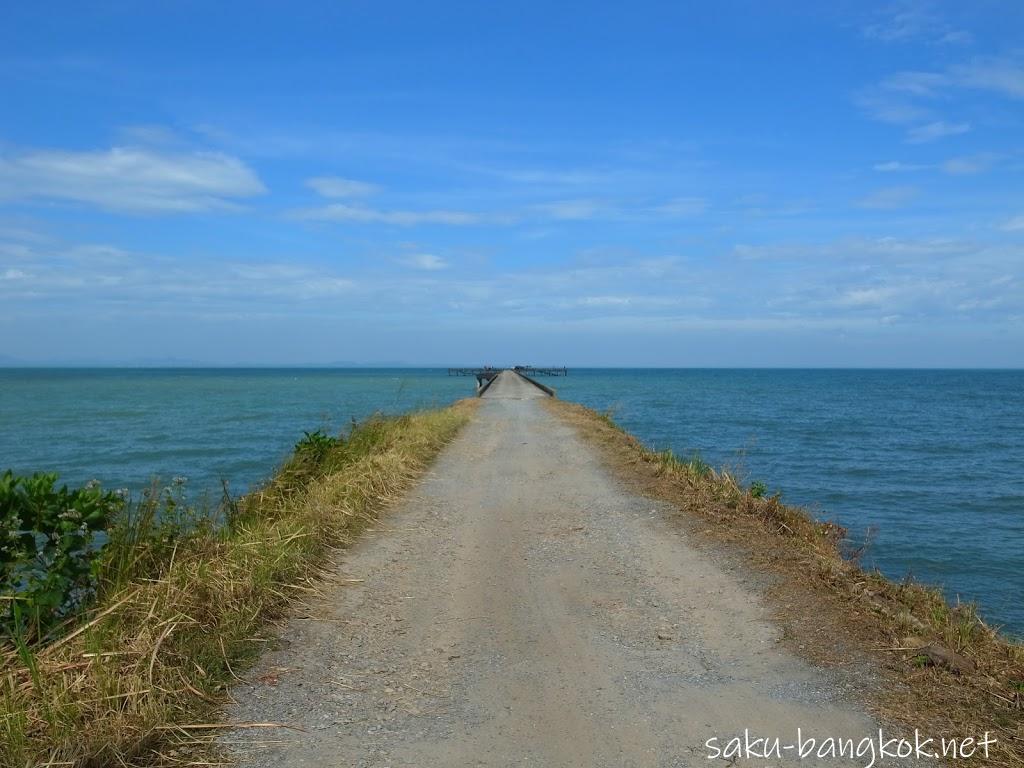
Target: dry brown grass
135,683
906,630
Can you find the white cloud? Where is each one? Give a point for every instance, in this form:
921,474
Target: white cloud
360,214
925,84
571,210
604,301
916,280
969,165
935,130
586,209
683,207
888,198
866,297
895,166
829,284
875,249
426,261
549,177
956,36
1004,76
89,275
1016,224
335,186
763,206
910,97
909,20
127,179
575,209
989,73
888,107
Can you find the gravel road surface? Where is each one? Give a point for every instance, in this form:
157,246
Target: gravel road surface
520,608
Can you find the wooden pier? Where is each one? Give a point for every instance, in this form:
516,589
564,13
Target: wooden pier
490,372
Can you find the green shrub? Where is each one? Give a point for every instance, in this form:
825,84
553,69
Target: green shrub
316,444
48,548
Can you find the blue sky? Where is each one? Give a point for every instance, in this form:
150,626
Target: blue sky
728,183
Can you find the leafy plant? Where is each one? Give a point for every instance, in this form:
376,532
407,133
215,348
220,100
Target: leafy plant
315,444
758,489
48,547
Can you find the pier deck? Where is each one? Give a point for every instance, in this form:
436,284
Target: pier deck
520,607
527,370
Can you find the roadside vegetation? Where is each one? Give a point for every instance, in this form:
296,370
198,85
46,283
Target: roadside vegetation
124,622
948,672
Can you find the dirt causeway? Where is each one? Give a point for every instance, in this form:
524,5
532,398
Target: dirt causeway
518,607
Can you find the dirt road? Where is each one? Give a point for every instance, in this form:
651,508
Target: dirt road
519,608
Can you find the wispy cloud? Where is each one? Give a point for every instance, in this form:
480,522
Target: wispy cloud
604,301
94,275
970,164
914,20
866,284
548,177
427,262
568,210
131,180
890,107
1016,224
682,207
939,129
873,296
586,209
924,84
895,166
335,186
341,212
572,210
1000,75
914,98
889,198
896,280
965,165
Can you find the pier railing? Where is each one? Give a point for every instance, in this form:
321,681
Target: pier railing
526,370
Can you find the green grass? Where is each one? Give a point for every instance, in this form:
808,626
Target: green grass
182,601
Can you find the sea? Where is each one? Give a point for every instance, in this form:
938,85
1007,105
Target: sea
927,466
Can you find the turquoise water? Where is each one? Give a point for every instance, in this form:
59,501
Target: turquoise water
124,427
932,460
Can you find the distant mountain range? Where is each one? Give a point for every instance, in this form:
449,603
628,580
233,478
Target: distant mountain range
7,361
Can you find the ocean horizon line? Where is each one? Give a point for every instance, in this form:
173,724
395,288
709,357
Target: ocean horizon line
29,366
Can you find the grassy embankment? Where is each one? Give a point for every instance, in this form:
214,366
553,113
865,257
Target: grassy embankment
182,605
946,672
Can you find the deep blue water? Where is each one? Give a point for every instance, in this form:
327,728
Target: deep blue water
933,460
